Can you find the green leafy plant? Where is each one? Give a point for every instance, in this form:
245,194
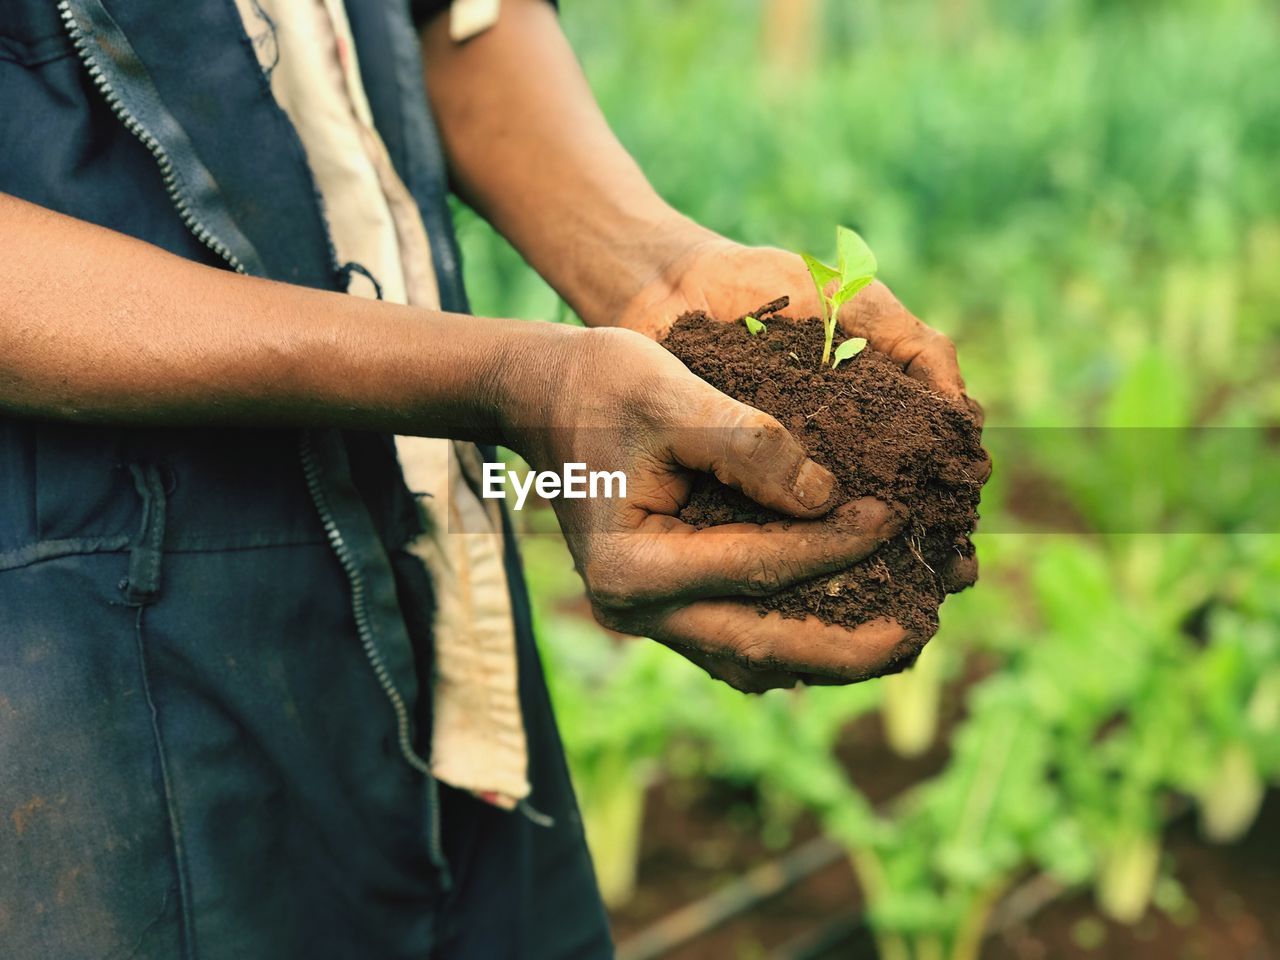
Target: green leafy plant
856,267
1126,691
754,326
848,349
911,702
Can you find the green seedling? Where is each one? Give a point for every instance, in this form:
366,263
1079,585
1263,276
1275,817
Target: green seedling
856,268
754,326
849,349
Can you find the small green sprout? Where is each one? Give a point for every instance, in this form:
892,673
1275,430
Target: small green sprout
849,349
857,268
754,326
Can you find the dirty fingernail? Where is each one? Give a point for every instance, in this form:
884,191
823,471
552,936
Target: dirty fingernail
814,485
882,519
871,517
895,520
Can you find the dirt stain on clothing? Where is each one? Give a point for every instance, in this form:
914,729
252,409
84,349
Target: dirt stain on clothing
21,816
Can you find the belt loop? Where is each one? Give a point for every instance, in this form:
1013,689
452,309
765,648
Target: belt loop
147,549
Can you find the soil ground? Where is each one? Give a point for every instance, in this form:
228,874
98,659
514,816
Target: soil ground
881,432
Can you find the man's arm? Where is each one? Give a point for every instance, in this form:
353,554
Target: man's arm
529,148
98,327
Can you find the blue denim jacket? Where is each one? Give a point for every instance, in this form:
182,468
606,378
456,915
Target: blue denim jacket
232,188
153,118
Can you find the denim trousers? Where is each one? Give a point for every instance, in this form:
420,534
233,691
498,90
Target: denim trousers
196,760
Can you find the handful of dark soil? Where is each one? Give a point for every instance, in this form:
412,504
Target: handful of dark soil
880,432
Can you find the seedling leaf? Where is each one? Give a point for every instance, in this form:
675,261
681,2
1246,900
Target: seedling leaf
822,276
848,350
854,256
821,273
754,326
857,269
850,290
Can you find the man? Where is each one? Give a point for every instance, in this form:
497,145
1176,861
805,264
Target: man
236,719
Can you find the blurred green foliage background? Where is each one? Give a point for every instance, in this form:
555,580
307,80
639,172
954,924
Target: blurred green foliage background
1084,195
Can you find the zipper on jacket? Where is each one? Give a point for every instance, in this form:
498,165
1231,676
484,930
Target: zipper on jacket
310,463
312,471
154,147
